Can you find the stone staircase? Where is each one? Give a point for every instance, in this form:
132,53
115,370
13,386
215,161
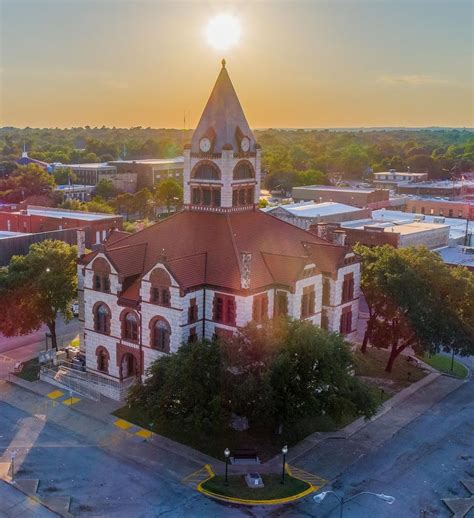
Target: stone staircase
29,486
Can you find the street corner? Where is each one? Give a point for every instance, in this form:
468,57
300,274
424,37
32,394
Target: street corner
55,394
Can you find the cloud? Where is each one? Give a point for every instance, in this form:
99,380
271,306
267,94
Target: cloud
413,80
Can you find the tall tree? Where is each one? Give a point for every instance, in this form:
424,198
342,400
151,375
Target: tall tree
168,192
415,300
36,287
105,189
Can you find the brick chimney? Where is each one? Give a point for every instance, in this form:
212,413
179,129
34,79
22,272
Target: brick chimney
81,242
245,260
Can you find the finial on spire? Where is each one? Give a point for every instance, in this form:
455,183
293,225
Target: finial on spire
223,63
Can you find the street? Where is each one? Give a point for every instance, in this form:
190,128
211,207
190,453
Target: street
22,348
107,473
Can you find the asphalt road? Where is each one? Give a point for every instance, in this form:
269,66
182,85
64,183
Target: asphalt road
22,348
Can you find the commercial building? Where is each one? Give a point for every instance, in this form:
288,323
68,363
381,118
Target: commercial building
392,178
348,195
212,268
458,256
152,171
443,188
88,174
44,219
438,207
75,192
305,214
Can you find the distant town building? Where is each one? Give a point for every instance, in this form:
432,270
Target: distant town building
151,171
305,214
43,219
26,160
75,192
392,178
88,174
438,207
356,197
459,255
444,188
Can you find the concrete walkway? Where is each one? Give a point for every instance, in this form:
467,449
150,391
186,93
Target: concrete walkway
15,504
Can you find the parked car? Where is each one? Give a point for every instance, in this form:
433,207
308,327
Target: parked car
75,308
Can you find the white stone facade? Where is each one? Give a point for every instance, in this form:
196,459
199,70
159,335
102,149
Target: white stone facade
176,314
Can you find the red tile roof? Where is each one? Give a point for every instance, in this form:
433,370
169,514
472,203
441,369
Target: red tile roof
204,248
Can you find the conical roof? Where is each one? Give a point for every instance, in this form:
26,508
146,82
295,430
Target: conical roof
223,119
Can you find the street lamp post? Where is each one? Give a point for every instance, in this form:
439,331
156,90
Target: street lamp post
284,450
321,496
227,455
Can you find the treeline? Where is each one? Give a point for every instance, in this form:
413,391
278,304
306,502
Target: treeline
289,157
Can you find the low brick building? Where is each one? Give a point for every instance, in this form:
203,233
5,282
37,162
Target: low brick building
356,197
34,220
448,208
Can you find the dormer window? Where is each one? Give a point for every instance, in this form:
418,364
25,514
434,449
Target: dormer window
101,278
160,287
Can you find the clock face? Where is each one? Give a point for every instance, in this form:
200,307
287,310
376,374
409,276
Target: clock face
205,144
245,144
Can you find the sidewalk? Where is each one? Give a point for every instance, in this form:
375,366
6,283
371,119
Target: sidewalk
14,504
332,454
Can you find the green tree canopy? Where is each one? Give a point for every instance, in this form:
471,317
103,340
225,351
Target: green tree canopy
168,193
416,300
105,189
35,287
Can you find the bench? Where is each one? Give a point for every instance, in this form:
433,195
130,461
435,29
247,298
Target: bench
245,456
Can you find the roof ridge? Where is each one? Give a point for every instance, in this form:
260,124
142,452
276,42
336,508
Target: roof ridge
293,227
113,249
234,244
284,255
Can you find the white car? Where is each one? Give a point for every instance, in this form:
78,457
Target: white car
75,308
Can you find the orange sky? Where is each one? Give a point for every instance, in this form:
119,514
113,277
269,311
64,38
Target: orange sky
299,64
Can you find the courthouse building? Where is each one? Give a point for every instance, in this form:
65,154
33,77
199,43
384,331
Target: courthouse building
213,267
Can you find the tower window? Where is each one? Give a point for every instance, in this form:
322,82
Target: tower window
243,171
206,171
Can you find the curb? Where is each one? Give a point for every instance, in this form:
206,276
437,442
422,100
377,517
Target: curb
243,501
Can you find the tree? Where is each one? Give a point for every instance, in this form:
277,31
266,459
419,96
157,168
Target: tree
97,204
30,180
415,300
168,192
35,287
141,202
184,386
125,202
105,189
64,176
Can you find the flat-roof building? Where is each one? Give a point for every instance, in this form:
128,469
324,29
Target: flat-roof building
43,219
151,171
305,214
392,178
356,197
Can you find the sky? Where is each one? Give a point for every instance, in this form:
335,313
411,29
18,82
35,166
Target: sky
305,64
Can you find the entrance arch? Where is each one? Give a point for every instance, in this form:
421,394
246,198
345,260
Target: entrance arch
128,366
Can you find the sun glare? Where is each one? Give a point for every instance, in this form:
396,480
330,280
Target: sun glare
223,31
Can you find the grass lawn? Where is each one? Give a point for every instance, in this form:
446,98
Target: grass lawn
30,371
267,443
443,364
372,365
273,489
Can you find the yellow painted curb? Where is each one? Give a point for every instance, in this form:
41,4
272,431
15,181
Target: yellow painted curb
55,394
276,501
71,401
146,434
124,425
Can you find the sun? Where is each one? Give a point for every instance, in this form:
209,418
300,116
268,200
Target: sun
223,31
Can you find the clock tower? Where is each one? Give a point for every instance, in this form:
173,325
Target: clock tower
222,164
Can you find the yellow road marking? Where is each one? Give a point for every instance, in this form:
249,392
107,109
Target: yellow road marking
146,434
71,401
55,394
124,425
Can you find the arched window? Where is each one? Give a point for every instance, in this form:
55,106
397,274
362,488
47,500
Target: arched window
206,171
130,327
102,359
160,334
160,287
243,171
101,271
101,318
